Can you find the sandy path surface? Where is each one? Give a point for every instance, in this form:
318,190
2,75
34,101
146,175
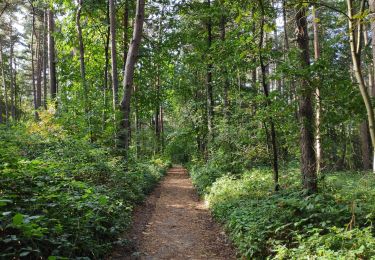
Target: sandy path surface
174,224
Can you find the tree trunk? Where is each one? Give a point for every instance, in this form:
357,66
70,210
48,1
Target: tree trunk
275,163
106,68
83,67
45,58
38,72
81,54
12,87
125,33
129,74
223,21
318,107
112,16
3,84
209,87
306,114
33,64
51,54
355,53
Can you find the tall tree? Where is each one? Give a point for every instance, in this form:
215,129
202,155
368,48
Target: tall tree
318,109
306,113
51,54
209,85
129,73
355,37
265,85
112,16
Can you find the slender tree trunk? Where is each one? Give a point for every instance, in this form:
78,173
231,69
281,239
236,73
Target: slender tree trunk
38,71
223,21
306,114
12,87
112,16
355,53
275,162
318,107
16,90
106,67
33,64
129,74
3,83
81,53
209,87
125,33
157,112
51,55
45,58
83,67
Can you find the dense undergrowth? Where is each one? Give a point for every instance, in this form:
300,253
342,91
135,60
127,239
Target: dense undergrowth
336,223
61,197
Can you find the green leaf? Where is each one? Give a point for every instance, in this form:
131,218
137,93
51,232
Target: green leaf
18,219
103,200
4,202
52,257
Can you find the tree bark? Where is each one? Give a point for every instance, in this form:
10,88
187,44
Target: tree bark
125,33
81,54
355,53
112,18
12,87
306,114
275,163
223,21
106,68
45,58
38,71
318,107
51,55
33,63
209,87
3,86
129,74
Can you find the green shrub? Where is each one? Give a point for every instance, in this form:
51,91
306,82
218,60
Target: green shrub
66,197
335,223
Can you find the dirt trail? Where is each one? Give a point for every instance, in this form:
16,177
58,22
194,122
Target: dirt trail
174,224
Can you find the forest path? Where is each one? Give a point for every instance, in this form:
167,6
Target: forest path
174,224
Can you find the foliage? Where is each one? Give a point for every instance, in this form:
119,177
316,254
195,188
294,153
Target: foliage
64,197
290,225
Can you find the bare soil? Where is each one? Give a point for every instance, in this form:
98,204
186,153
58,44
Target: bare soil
174,224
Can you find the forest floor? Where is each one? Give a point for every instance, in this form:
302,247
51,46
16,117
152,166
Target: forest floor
174,224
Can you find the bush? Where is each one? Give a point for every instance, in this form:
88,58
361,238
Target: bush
335,223
65,197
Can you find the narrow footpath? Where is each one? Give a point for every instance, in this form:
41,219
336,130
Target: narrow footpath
174,224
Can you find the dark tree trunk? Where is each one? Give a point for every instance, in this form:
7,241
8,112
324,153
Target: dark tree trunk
112,18
51,55
106,68
306,113
82,54
33,65
3,84
45,58
275,163
223,22
129,74
38,71
209,87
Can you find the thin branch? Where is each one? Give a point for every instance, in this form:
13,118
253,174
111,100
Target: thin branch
324,5
4,8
